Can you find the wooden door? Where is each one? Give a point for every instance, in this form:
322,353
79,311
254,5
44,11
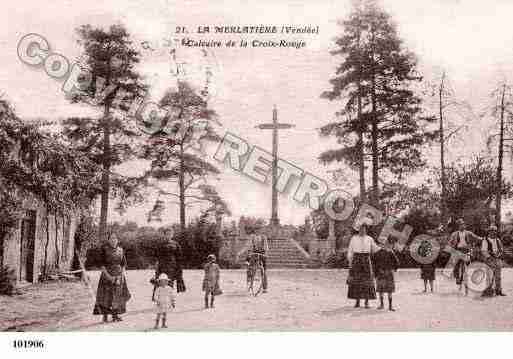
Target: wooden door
27,246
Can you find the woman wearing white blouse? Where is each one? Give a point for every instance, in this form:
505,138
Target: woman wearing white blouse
361,278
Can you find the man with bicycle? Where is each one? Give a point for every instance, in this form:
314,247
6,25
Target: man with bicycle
260,245
464,241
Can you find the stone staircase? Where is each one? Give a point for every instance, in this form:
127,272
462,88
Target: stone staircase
286,253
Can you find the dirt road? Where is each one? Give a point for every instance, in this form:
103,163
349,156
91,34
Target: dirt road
297,300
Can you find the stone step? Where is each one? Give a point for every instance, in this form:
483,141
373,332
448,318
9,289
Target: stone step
284,254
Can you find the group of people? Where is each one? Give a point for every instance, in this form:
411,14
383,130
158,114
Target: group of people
488,249
371,272
367,262
372,266
113,293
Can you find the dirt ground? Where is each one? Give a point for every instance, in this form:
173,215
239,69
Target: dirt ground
304,300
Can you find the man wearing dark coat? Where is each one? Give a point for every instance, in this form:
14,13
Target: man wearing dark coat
492,250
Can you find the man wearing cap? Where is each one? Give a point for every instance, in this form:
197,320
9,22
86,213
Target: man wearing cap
462,240
492,250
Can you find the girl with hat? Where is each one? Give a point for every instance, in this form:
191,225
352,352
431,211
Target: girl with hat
164,298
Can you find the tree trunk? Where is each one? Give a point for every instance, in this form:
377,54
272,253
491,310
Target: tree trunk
181,183
361,128
57,251
498,198
443,200
374,134
45,260
361,168
105,175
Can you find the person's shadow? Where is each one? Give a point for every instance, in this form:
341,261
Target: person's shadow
338,311
239,294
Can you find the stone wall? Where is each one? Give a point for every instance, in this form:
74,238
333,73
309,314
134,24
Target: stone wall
53,243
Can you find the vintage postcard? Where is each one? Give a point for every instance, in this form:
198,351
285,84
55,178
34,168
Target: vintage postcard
262,166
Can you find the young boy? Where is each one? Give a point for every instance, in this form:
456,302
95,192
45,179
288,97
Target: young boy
385,263
164,297
211,281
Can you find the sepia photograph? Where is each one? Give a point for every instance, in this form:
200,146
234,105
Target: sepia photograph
255,166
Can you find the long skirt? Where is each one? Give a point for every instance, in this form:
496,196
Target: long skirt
361,278
427,272
111,298
385,282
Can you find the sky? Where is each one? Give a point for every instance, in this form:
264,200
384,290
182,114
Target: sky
465,38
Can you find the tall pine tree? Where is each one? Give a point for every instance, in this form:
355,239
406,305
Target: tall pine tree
381,119
173,152
109,59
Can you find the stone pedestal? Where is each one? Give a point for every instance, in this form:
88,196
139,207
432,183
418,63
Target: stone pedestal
331,245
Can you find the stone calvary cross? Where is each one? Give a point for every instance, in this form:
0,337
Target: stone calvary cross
275,126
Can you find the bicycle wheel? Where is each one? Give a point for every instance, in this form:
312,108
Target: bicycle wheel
249,279
257,281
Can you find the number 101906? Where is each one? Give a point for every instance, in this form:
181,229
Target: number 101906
28,344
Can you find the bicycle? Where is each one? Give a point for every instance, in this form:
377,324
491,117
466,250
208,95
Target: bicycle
255,273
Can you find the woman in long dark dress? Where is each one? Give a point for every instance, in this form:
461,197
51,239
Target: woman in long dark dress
169,262
361,277
112,293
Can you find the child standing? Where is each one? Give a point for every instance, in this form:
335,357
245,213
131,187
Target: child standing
427,274
211,281
427,270
385,263
164,298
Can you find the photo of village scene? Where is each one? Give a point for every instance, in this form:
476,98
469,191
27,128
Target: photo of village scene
256,166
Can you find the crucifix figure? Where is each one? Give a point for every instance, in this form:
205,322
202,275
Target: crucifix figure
275,126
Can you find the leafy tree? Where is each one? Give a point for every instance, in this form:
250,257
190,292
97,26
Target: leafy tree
39,166
376,82
471,189
173,155
109,60
252,225
397,197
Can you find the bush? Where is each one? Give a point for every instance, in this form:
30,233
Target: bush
7,281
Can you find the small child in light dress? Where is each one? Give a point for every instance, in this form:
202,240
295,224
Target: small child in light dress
164,299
